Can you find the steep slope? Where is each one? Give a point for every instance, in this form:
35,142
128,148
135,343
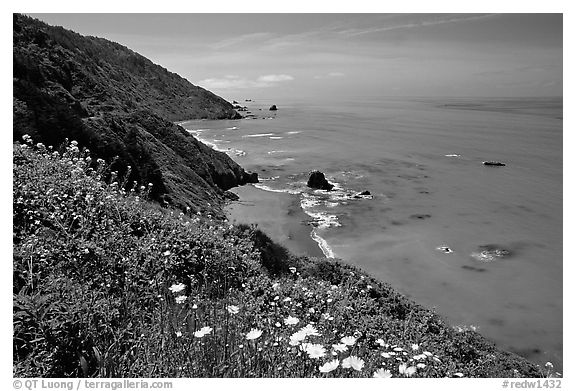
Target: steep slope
118,103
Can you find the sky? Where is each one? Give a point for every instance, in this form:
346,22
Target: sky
325,56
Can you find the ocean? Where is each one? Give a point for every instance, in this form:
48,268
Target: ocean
480,244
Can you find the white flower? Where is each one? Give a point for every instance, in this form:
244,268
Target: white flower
459,374
176,288
166,253
178,333
329,366
287,299
181,299
385,355
202,332
406,371
348,341
314,350
233,309
275,285
254,334
383,373
291,320
309,330
414,346
341,347
292,269
549,365
353,362
380,342
297,337
277,324
421,365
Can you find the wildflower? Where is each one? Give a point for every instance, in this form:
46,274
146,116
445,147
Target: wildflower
287,299
291,320
380,342
277,324
314,350
309,330
421,365
254,334
328,300
275,286
233,309
329,366
353,362
348,341
166,253
340,347
178,333
549,365
459,374
194,307
181,299
276,298
383,373
398,349
414,346
385,355
202,332
297,337
406,371
176,288
293,270
311,310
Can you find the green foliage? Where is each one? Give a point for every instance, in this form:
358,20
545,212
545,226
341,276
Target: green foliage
109,284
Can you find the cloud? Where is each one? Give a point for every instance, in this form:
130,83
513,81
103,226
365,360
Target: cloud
275,78
435,20
234,82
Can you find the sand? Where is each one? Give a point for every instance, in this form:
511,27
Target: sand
279,215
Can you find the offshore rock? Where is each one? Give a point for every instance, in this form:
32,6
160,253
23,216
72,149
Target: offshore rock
318,181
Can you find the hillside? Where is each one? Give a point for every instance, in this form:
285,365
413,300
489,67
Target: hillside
108,284
118,103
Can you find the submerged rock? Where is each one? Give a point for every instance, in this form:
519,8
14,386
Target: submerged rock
492,163
490,252
318,181
273,108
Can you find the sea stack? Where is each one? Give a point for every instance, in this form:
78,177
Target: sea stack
318,181
273,108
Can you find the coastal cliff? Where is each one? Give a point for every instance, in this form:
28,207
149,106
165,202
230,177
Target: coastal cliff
119,104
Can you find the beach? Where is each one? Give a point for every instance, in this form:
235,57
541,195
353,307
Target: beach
278,215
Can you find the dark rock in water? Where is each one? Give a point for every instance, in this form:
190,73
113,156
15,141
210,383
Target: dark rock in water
499,164
250,177
472,268
420,216
364,193
490,252
273,108
318,181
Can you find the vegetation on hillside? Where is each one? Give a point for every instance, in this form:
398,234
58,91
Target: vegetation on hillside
121,106
109,284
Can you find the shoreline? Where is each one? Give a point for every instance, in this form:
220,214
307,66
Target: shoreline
279,215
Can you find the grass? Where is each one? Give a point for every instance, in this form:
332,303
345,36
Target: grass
108,284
